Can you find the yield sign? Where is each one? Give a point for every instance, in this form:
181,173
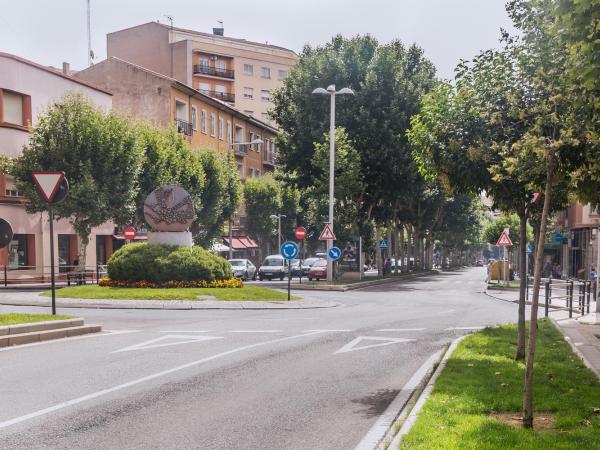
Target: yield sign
47,183
166,341
504,240
381,341
327,234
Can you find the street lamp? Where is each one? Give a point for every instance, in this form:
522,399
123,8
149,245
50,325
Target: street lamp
233,144
332,93
278,217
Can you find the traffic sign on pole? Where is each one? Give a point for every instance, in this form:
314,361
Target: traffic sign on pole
48,183
383,243
289,250
300,233
129,233
327,234
504,240
6,233
334,253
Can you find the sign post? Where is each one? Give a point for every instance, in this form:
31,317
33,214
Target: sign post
289,250
300,233
53,187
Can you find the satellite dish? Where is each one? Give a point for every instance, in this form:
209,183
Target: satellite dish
61,192
6,233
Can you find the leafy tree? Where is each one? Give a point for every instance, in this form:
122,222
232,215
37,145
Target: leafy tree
494,229
100,155
262,198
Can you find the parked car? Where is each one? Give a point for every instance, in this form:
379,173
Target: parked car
243,268
318,270
479,263
307,264
296,264
274,266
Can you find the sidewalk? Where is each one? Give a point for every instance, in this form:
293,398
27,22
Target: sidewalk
583,337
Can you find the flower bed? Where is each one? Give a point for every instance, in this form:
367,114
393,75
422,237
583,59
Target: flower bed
227,283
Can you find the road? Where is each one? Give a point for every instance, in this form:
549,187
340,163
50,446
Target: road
233,379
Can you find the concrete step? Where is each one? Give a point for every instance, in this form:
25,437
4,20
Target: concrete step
39,326
46,335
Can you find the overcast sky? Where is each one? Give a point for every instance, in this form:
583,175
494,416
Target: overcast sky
52,31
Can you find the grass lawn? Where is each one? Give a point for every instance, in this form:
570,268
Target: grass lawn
511,285
112,293
482,380
14,318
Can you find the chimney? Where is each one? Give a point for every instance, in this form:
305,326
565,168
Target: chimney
219,31
66,68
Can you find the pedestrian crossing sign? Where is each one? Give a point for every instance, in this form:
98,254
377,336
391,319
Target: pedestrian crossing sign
327,234
504,240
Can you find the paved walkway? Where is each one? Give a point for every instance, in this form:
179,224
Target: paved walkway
582,332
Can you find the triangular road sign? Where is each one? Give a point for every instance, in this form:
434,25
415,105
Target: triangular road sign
381,341
327,234
504,240
47,183
166,341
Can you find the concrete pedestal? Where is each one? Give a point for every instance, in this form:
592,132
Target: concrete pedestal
175,238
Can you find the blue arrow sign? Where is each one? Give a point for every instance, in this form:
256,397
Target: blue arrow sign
289,250
529,249
383,243
334,253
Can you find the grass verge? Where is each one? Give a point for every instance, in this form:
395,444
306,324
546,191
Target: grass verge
253,293
479,394
15,319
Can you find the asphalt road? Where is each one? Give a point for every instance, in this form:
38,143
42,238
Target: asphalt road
218,379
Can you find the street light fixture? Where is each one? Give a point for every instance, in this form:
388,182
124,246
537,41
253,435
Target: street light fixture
278,217
332,93
233,144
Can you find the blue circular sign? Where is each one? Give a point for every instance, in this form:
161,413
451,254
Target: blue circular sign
334,253
289,250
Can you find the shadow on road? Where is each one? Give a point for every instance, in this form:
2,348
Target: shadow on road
375,404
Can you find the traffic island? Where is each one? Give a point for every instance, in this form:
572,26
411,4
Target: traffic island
18,329
348,285
476,401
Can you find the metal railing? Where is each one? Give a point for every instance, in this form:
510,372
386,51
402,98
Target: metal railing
23,275
225,96
184,127
565,295
213,71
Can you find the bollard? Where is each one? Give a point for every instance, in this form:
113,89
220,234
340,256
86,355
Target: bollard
97,274
547,286
5,276
581,299
570,299
588,295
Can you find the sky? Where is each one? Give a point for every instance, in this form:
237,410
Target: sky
52,31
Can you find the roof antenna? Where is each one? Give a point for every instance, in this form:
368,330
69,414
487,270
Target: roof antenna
171,39
89,37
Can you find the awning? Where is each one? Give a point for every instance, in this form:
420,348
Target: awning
241,243
141,237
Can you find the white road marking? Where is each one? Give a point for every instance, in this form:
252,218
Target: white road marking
75,401
327,331
464,328
256,331
179,339
68,339
351,346
186,331
391,330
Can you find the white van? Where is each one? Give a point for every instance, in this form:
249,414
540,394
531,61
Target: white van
274,266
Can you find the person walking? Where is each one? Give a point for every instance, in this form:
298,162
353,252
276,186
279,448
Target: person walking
594,280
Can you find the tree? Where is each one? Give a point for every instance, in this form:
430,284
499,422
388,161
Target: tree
100,155
262,198
494,229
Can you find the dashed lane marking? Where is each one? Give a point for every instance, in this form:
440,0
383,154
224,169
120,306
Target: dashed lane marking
256,331
392,330
464,328
167,341
382,341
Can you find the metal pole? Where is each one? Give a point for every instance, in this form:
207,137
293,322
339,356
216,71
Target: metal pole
230,240
289,278
52,280
279,229
547,297
331,177
570,299
5,276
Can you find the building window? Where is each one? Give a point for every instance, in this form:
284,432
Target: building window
256,173
212,125
204,88
194,118
239,134
21,251
265,72
281,74
229,134
250,172
204,63
203,121
14,106
12,193
240,170
257,146
248,93
248,69
265,95
221,130
220,66
250,139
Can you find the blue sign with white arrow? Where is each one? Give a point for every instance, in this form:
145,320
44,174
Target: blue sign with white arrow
529,249
289,250
334,253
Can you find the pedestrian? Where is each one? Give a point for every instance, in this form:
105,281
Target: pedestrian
387,267
594,280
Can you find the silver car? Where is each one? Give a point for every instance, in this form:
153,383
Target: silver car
243,268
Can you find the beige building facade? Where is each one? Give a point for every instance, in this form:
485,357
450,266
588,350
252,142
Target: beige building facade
581,251
239,72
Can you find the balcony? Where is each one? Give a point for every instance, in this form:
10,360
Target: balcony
240,149
184,127
224,96
202,69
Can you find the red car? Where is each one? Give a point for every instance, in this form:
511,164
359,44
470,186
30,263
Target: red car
318,270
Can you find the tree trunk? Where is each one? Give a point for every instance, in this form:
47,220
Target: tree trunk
83,241
378,251
402,252
539,255
396,248
520,355
389,249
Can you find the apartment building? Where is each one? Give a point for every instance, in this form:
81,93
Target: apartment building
26,90
239,72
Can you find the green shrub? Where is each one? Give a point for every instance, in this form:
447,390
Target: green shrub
160,263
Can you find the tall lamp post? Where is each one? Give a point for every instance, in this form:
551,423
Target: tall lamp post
278,217
332,93
233,145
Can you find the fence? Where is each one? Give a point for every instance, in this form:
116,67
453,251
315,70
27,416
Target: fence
566,295
41,274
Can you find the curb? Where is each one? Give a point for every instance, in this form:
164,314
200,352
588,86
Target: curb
424,395
576,350
361,284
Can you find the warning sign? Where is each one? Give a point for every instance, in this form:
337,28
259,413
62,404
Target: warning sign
504,240
327,234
